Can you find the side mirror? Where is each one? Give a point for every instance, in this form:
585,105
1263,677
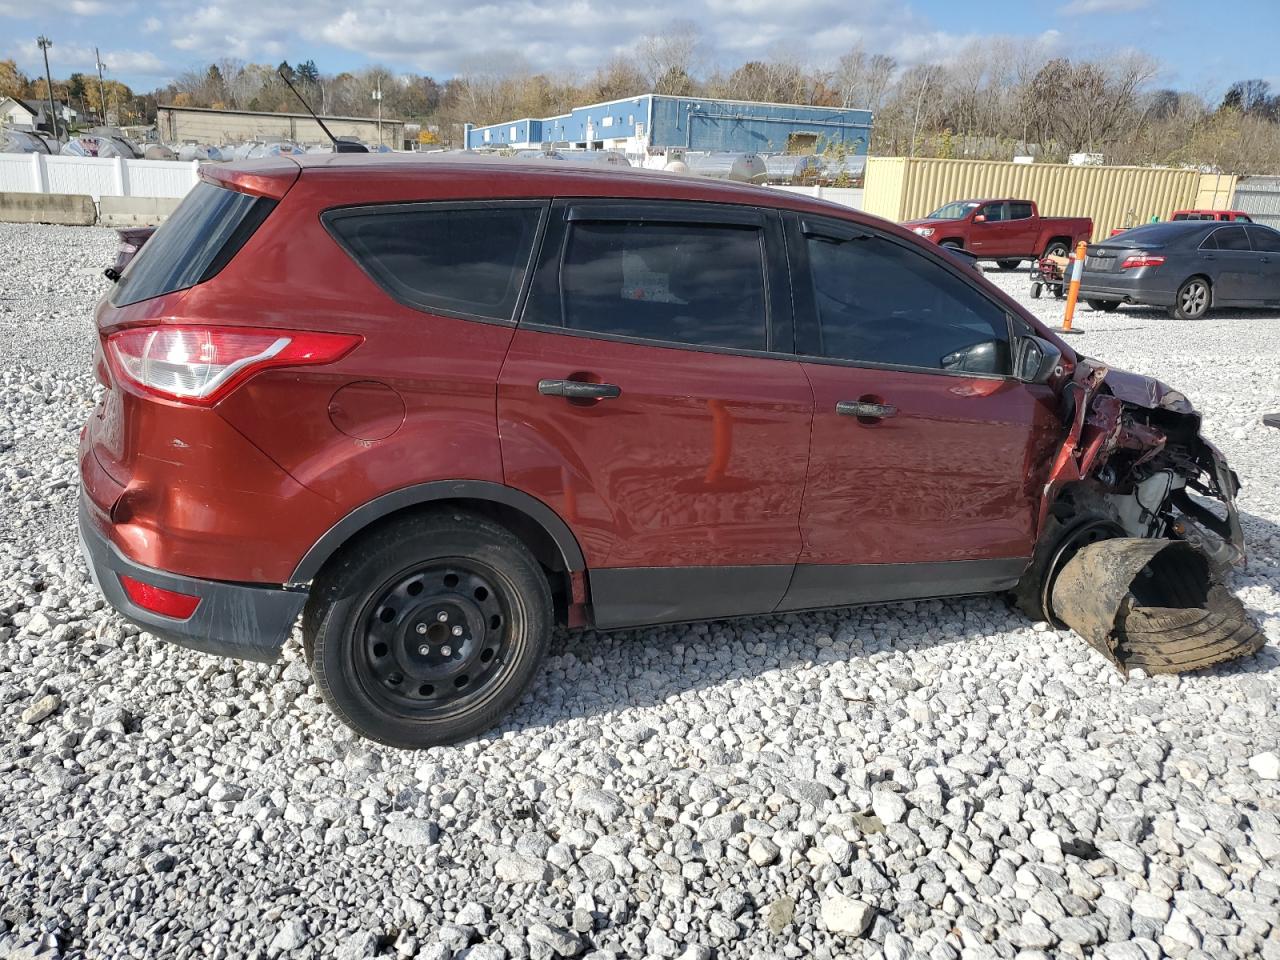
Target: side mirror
1036,360
979,218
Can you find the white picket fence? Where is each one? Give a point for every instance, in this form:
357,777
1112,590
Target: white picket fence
96,176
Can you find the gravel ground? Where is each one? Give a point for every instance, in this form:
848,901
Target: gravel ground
940,779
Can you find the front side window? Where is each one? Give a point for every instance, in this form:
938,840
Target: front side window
877,301
993,212
694,283
1264,239
467,259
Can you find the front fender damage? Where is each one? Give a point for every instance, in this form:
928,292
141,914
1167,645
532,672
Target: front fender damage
1153,597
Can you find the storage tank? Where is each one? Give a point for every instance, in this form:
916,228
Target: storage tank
849,168
792,168
743,167
601,158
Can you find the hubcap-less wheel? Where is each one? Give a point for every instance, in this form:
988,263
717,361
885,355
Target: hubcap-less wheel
1193,298
433,639
1091,531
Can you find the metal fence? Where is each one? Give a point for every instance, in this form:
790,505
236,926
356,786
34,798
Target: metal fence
1259,197
96,177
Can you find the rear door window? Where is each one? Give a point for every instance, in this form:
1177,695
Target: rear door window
1019,211
1232,238
208,228
459,259
877,301
701,284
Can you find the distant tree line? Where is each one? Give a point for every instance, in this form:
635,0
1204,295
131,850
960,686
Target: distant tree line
994,98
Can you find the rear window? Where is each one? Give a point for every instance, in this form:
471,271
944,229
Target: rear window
464,259
197,241
1156,234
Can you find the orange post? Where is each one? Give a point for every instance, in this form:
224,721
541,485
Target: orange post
1076,268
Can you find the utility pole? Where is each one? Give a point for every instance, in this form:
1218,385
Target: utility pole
45,43
102,90
377,95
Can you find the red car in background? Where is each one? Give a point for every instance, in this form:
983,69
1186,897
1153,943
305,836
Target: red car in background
1006,231
1225,215
436,408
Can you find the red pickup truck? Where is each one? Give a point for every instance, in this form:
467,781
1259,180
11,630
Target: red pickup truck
1006,231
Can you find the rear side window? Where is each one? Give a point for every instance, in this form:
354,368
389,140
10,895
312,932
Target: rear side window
1019,211
695,283
1231,238
197,241
879,302
464,259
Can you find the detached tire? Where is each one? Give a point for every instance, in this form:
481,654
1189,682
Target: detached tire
1080,517
1192,300
428,631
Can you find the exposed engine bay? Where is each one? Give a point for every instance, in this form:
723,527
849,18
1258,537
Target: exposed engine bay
1138,527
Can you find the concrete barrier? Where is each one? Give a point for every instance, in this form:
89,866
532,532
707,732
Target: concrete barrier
135,211
71,209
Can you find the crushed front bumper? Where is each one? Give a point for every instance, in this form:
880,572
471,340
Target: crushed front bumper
232,620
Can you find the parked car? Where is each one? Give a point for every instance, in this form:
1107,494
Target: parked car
1189,267
1006,231
436,407
1226,215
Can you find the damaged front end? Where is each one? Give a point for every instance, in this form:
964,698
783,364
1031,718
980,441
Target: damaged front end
1138,526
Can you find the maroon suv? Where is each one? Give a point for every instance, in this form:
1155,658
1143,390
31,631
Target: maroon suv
438,407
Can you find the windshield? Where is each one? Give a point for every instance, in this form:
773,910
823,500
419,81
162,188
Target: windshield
953,211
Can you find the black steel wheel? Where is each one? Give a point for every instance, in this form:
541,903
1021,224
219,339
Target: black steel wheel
433,639
428,631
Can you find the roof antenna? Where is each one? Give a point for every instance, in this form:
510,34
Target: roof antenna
339,146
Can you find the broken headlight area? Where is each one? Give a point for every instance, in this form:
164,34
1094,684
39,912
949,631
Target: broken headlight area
1156,502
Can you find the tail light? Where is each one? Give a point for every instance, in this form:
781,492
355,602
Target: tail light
167,603
1141,260
200,365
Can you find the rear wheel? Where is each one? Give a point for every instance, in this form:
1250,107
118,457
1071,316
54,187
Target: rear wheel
1192,300
1105,306
1008,264
1057,249
429,631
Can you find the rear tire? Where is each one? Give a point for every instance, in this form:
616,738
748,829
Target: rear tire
1008,264
427,632
1104,306
1192,300
1057,249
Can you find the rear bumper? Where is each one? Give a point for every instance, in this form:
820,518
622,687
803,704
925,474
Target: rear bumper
1102,289
231,620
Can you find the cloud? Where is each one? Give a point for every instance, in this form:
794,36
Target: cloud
1086,7
152,25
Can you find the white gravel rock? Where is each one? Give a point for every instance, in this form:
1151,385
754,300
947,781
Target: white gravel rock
982,785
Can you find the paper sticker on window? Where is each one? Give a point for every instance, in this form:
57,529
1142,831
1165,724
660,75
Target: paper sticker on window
640,282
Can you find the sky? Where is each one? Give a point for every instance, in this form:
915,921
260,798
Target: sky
145,43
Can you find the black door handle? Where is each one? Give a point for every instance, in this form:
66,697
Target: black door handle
578,389
866,410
